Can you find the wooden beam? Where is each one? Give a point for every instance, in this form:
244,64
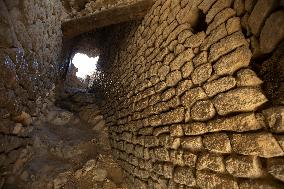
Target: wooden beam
105,18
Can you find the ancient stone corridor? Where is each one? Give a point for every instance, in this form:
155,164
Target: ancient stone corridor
186,94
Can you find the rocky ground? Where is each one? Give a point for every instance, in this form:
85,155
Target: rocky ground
71,149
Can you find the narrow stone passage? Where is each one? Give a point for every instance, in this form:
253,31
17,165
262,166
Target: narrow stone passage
71,149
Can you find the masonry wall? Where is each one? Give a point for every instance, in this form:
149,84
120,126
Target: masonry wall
30,47
183,106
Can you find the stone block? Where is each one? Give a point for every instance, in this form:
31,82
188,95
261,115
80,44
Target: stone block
216,8
176,130
239,6
219,33
217,142
173,78
184,175
201,74
247,78
244,166
192,143
220,18
173,116
201,58
239,123
187,69
206,5
272,32
183,86
260,144
192,95
275,166
189,159
239,100
209,180
202,111
195,40
195,128
275,118
233,25
226,45
211,161
260,12
232,62
219,85
184,35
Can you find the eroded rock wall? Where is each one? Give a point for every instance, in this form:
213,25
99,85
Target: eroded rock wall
30,47
183,106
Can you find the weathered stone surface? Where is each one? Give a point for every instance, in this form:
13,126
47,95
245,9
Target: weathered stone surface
239,6
233,25
270,37
220,18
230,63
168,94
179,49
201,58
202,110
247,77
174,116
195,128
189,159
239,123
275,118
163,71
220,85
185,34
184,175
259,184
193,143
187,69
174,34
176,130
217,142
173,78
239,100
188,14
195,40
206,4
275,167
226,45
216,8
183,86
209,180
192,95
261,144
215,35
244,166
210,161
201,73
259,14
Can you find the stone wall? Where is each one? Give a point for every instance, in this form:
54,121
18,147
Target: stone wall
30,46
183,106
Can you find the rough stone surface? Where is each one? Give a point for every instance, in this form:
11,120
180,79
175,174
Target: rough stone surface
239,100
260,11
260,144
202,111
220,85
269,37
244,166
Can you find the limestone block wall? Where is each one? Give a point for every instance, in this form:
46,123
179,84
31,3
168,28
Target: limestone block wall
183,106
30,45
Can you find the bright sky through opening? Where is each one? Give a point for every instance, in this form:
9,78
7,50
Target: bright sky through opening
86,65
